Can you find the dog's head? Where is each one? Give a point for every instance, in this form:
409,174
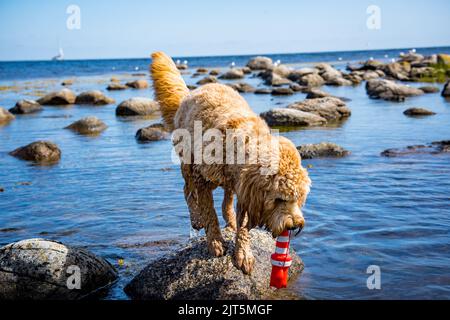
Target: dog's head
274,201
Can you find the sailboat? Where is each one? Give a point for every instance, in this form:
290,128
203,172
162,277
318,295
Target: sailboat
59,56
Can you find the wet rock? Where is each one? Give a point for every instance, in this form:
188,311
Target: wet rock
389,90
116,86
207,79
62,97
260,63
311,80
429,89
137,107
436,147
242,87
446,91
232,74
191,273
38,269
138,84
329,108
214,72
38,151
93,97
315,93
26,107
154,132
322,150
88,126
291,117
282,91
418,112
5,115
263,91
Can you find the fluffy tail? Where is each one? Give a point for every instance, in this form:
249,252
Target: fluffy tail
169,86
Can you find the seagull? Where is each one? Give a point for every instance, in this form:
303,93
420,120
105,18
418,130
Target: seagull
402,54
371,58
340,58
232,65
386,56
185,62
393,59
178,61
136,68
413,50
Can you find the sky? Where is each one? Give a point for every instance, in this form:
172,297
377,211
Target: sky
34,29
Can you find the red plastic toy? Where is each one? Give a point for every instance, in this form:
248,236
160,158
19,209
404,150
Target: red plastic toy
281,261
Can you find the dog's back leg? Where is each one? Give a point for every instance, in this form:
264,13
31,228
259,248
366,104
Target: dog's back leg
228,209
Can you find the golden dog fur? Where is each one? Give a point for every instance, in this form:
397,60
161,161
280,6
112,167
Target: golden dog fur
270,201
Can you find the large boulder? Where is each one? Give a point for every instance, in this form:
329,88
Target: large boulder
446,91
5,115
38,269
62,97
88,125
331,75
94,97
138,84
232,74
322,150
260,63
38,151
191,273
25,107
418,112
389,90
137,107
291,117
154,132
329,108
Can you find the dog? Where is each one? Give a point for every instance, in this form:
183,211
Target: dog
271,201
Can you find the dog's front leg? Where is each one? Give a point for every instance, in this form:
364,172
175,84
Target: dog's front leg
243,255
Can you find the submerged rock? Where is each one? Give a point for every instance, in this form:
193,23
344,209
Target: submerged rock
137,107
25,107
62,97
429,89
38,151
94,97
138,84
329,108
192,273
389,90
322,150
260,63
5,115
418,112
88,125
436,147
38,269
291,117
154,132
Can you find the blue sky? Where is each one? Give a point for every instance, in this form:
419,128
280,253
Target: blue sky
120,29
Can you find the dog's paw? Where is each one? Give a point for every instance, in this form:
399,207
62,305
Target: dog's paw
230,227
244,260
216,248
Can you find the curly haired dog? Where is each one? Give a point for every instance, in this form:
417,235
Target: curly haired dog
270,201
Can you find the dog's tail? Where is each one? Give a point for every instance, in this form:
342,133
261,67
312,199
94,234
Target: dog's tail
170,88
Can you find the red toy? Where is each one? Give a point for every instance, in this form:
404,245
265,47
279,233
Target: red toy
281,261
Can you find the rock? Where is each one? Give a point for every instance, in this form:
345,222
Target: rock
260,63
327,72
418,112
274,79
138,84
242,87
116,86
354,77
94,97
67,82
246,70
436,147
153,132
207,79
315,93
181,66
137,107
214,72
191,273
38,151
446,90
291,117
38,269
339,81
443,59
368,75
298,88
296,75
329,108
62,97
88,125
411,57
397,70
25,107
232,74
430,89
311,80
5,115
263,91
322,150
191,87
115,79
389,90
282,91
202,70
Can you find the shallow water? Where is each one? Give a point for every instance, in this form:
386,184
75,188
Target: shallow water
124,200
